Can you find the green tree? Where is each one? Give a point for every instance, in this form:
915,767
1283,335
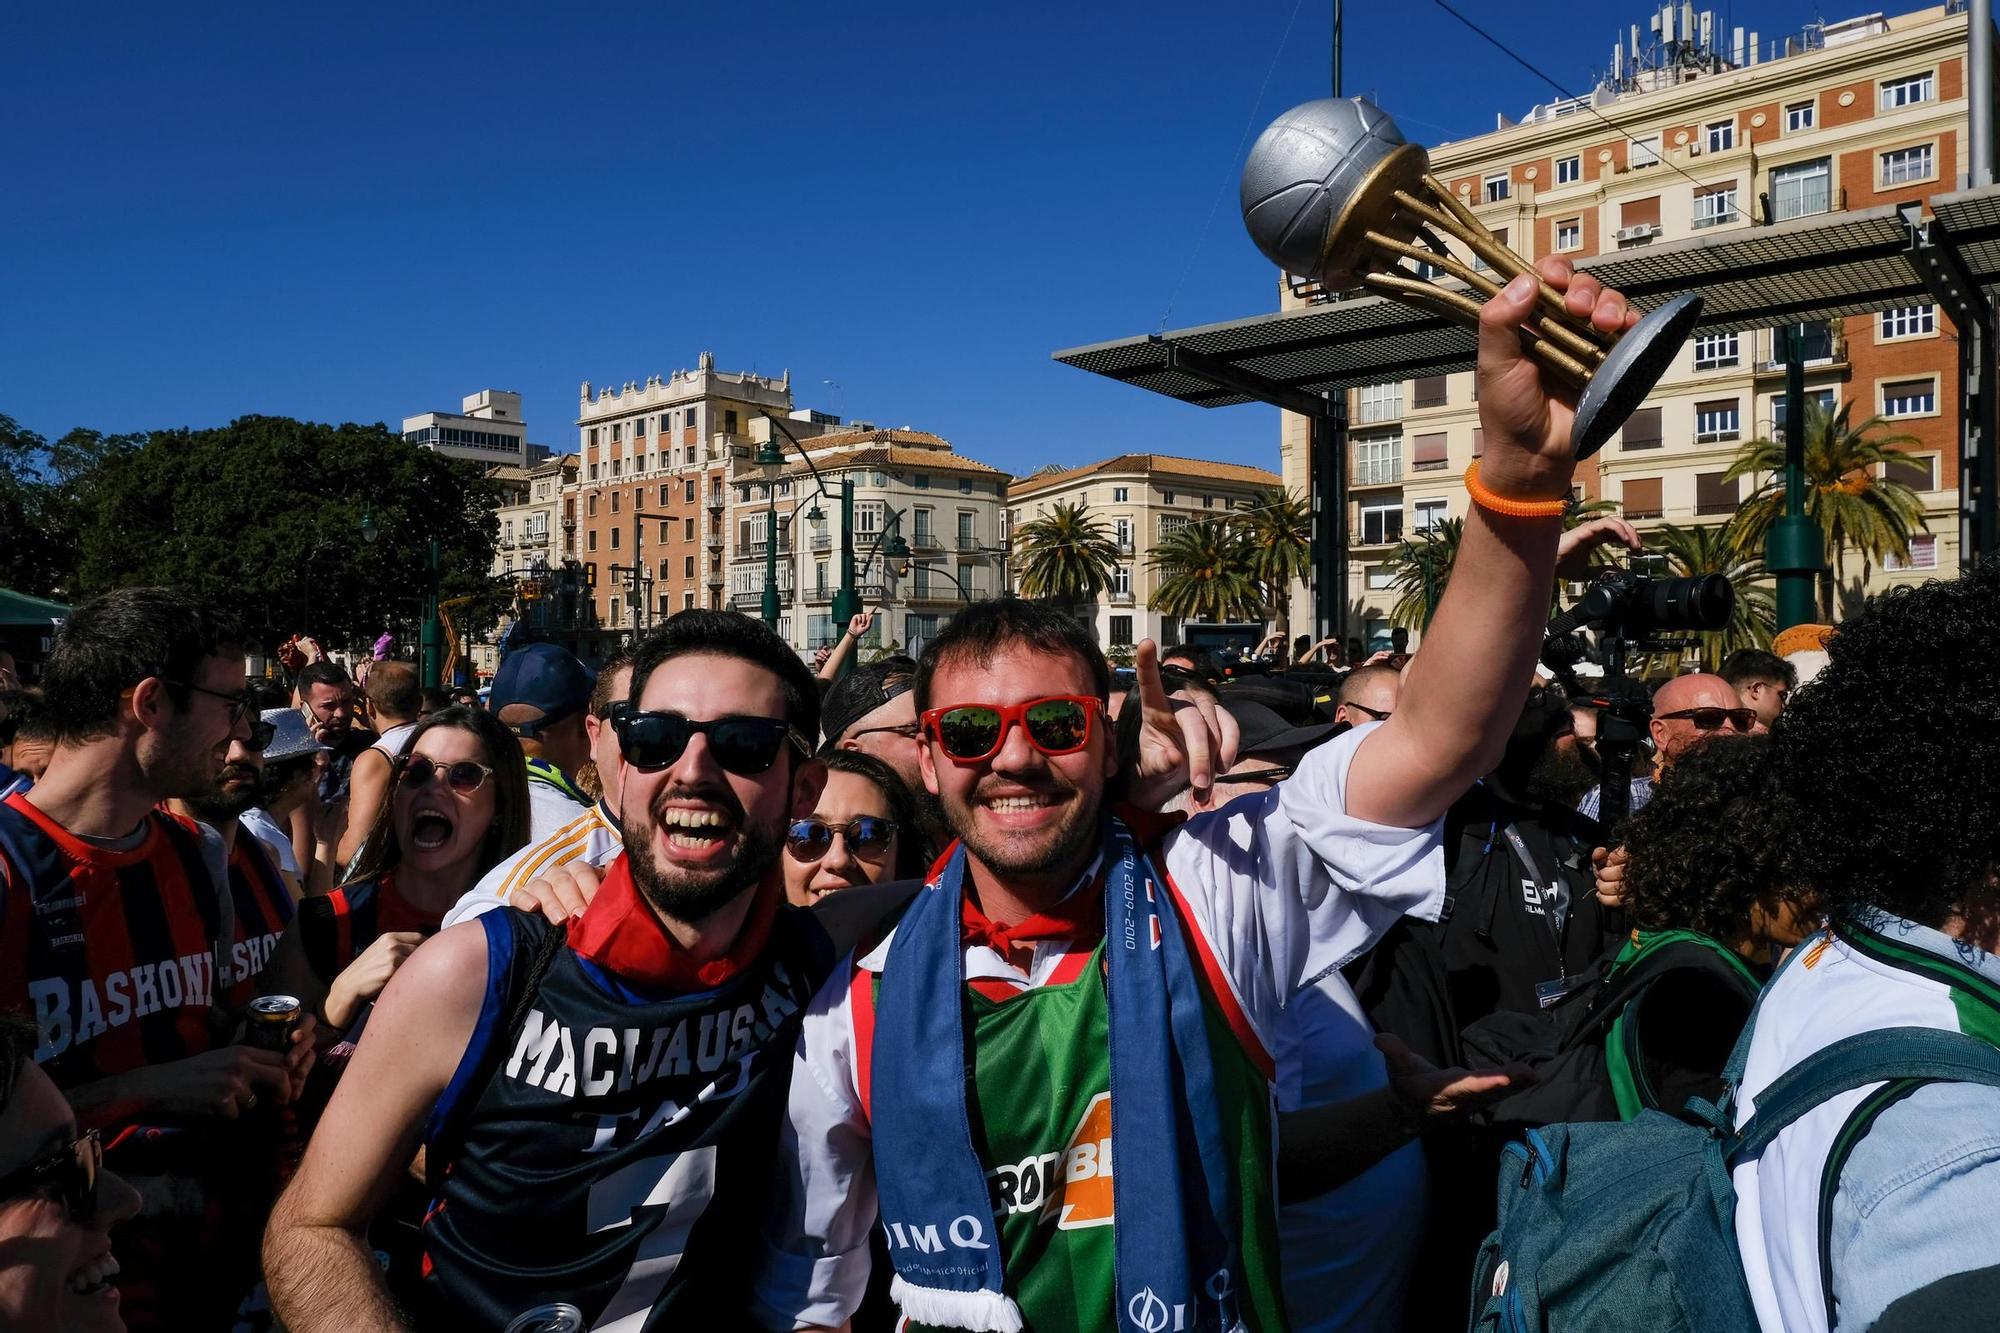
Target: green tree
1065,555
265,514
1852,493
1420,567
1277,539
1206,574
1713,548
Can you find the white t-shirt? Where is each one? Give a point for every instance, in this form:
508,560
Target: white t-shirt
590,837
1348,1253
275,840
391,741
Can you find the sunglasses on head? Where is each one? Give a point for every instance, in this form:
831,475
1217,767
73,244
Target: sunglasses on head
68,1175
1057,725
742,745
812,838
463,777
1711,719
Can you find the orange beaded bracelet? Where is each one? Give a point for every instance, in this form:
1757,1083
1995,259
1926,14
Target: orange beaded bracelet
1500,504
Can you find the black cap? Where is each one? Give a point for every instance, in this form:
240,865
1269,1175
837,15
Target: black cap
1263,729
862,691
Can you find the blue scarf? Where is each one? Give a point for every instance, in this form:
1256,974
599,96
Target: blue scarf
1174,1265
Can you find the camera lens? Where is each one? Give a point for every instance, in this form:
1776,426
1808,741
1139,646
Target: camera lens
1698,603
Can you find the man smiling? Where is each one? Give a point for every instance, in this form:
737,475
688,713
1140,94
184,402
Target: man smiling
1070,1008
597,1102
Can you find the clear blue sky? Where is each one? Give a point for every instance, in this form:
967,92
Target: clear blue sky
355,212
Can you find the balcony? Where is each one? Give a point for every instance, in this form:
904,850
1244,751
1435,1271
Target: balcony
969,545
823,542
1378,471
1829,353
1121,598
754,601
535,539
925,541
1124,545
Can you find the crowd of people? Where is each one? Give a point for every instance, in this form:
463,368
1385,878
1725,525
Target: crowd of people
711,990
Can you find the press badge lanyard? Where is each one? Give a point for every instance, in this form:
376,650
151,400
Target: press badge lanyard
1554,896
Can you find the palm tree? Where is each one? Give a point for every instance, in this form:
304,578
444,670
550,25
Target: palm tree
1713,548
1422,564
1065,555
1207,574
1277,536
1851,503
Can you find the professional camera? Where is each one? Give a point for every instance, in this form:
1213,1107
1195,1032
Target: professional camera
1630,611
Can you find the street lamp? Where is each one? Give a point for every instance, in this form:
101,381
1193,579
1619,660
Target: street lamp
846,601
1793,551
772,461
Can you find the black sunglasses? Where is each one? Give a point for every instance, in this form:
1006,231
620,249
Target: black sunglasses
69,1174
239,704
1712,719
811,839
1379,714
463,777
742,745
261,734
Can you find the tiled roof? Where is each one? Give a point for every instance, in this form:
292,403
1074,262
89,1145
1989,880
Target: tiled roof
876,436
930,460
1158,465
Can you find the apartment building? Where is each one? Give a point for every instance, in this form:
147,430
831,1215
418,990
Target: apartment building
652,491
909,483
529,548
1697,132
1140,498
487,428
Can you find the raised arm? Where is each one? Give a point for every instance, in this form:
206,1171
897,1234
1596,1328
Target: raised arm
317,1262
857,628
1462,693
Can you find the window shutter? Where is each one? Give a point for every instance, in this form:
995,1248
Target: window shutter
1642,497
1430,451
1642,429
1430,391
1713,494
1640,212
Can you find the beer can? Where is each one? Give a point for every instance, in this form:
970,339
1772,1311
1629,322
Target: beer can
270,1021
559,1317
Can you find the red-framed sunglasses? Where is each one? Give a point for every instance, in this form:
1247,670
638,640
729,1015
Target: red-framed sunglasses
1057,725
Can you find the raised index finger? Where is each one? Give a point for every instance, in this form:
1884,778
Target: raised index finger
1152,691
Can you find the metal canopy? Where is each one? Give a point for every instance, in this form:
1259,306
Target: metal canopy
1819,267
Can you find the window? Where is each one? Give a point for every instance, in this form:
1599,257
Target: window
687,567
1121,494
1641,497
616,428
687,600
1909,398
616,533
617,466
1428,452
1721,136
1429,391
1379,577
1569,169
1378,461
1376,402
965,485
1801,189
1917,471
1714,206
1712,351
1908,321
1569,235
1718,421
1166,497
1642,430
1208,502
1381,523
920,527
1799,116
920,580
968,538
590,540
593,437
614,611
688,534
1901,165
1121,631
615,497
1644,152
593,472
1923,554
1714,493
1121,580
590,505
1172,523
1430,513
1908,92
688,490
1497,187
729,421
1121,532
639,429
1822,398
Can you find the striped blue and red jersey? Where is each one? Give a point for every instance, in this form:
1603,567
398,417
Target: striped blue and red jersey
116,952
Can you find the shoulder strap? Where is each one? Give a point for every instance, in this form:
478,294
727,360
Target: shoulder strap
1882,1056
1670,951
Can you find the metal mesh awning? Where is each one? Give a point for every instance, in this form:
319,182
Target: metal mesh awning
1820,267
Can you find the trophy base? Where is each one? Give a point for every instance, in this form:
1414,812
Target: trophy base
1630,370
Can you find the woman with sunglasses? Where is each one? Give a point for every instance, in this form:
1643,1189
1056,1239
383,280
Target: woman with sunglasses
458,806
862,830
57,1205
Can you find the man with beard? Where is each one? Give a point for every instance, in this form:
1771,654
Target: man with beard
254,877
597,1102
118,935
1053,1077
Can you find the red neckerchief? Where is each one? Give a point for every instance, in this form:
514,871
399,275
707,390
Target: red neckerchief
620,933
1079,917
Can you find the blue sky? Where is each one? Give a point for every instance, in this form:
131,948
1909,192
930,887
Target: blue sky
357,212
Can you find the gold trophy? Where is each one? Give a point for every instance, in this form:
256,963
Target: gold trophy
1332,191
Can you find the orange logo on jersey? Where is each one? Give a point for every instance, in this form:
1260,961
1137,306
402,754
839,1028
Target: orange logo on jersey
1811,960
1072,1187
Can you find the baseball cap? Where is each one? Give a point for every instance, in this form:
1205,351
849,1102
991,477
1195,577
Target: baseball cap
1262,728
543,677
291,736
862,691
